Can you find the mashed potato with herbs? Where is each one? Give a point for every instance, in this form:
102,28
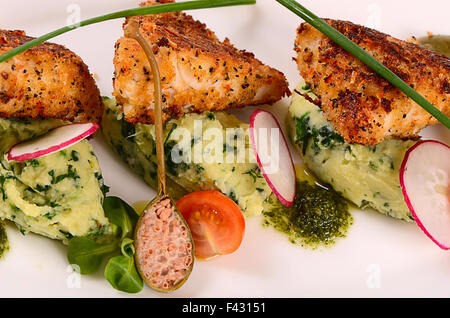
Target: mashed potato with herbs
241,180
59,195
367,176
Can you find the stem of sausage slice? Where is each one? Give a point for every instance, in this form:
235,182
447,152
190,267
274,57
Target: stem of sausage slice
163,241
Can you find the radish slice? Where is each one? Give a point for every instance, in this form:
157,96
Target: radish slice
425,181
55,140
273,155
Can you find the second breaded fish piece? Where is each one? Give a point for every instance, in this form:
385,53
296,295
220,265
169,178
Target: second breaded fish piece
362,106
198,72
47,81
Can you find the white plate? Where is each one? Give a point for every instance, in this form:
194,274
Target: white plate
381,257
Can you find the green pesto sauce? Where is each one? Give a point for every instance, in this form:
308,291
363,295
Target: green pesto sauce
438,43
4,246
317,218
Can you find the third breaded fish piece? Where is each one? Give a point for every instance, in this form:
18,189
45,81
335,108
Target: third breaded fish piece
198,72
362,106
46,81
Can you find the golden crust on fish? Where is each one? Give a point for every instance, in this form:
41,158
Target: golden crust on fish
362,106
198,72
47,81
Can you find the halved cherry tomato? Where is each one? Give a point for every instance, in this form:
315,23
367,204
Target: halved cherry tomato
216,222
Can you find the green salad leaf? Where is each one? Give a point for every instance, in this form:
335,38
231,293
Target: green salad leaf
121,273
120,214
88,254
127,247
121,270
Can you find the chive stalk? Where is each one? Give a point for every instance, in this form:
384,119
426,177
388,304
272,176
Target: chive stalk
160,8
364,57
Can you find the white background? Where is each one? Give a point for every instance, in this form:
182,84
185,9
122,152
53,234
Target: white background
381,257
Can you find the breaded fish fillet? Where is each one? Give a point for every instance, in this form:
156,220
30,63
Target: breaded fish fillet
199,73
47,81
362,106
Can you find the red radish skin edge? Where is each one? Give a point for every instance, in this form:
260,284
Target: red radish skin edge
405,194
40,153
283,200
